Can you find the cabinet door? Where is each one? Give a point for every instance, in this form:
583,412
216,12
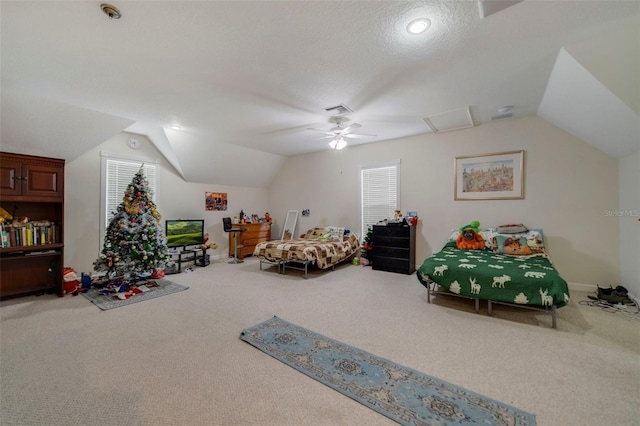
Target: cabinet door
42,181
9,178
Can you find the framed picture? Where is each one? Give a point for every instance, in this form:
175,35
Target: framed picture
498,176
215,201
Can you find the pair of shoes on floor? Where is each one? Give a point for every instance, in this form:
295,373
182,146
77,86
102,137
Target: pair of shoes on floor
615,295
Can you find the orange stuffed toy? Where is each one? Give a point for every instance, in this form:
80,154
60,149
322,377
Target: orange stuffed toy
469,239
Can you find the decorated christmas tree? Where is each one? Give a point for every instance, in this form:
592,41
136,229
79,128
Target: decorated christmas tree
367,245
134,242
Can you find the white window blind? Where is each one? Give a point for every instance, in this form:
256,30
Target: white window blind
116,177
379,192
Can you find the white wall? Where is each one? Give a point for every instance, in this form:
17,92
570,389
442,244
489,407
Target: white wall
175,199
630,223
568,186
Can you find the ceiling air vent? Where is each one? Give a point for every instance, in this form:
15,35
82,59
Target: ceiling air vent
339,110
502,116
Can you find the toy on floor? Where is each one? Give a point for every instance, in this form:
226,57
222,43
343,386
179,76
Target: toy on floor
72,284
208,244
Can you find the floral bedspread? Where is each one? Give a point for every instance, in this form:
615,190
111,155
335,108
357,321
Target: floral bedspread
313,250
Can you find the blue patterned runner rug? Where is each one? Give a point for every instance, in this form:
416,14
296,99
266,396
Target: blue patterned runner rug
407,396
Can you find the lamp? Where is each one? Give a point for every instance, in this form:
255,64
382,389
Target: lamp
338,143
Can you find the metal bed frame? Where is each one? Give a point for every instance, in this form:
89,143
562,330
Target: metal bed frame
551,310
291,264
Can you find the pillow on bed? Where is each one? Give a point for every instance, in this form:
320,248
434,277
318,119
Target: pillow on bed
527,243
489,236
454,235
335,232
314,233
512,229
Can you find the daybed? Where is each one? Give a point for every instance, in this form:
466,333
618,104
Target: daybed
324,247
497,273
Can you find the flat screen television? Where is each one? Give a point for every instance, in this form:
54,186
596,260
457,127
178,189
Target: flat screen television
184,232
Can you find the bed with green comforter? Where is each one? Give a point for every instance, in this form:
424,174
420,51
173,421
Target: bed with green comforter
530,281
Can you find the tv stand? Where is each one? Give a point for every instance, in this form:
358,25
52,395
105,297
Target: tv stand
197,256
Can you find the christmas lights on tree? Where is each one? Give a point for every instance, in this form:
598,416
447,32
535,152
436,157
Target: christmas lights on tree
134,242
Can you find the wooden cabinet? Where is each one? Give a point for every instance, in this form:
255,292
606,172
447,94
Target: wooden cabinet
32,187
394,248
255,233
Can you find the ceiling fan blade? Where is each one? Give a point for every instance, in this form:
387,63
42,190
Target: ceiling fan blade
358,135
322,131
348,129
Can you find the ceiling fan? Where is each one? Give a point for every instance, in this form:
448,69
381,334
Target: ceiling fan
338,133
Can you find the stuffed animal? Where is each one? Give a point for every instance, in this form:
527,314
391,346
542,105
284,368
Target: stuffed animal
469,239
475,225
267,217
4,215
208,244
72,284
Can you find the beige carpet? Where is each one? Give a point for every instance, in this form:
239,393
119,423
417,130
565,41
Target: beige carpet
178,360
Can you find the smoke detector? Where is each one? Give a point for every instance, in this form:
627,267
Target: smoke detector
111,11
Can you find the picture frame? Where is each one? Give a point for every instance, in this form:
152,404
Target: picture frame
215,201
496,176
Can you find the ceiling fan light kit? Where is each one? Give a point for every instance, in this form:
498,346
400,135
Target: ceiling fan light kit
338,143
338,133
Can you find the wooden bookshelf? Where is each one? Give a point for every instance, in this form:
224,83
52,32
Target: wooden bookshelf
32,188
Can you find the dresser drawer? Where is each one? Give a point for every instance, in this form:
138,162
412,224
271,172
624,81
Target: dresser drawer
392,265
391,231
385,241
396,252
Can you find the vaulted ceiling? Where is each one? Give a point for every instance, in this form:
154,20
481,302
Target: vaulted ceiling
246,80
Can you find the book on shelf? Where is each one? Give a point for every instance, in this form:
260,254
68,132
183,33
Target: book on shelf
28,234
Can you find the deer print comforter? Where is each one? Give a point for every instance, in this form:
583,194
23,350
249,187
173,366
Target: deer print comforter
483,274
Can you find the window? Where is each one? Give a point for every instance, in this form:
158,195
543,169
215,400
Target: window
379,188
116,176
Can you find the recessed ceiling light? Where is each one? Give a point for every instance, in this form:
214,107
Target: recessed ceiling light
418,26
175,127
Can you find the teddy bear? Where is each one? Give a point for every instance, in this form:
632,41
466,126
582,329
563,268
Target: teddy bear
206,244
469,238
4,215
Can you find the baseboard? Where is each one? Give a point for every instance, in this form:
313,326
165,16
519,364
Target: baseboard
590,288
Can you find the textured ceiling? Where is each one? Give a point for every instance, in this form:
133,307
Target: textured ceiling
246,80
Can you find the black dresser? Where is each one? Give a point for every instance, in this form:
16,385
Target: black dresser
394,248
